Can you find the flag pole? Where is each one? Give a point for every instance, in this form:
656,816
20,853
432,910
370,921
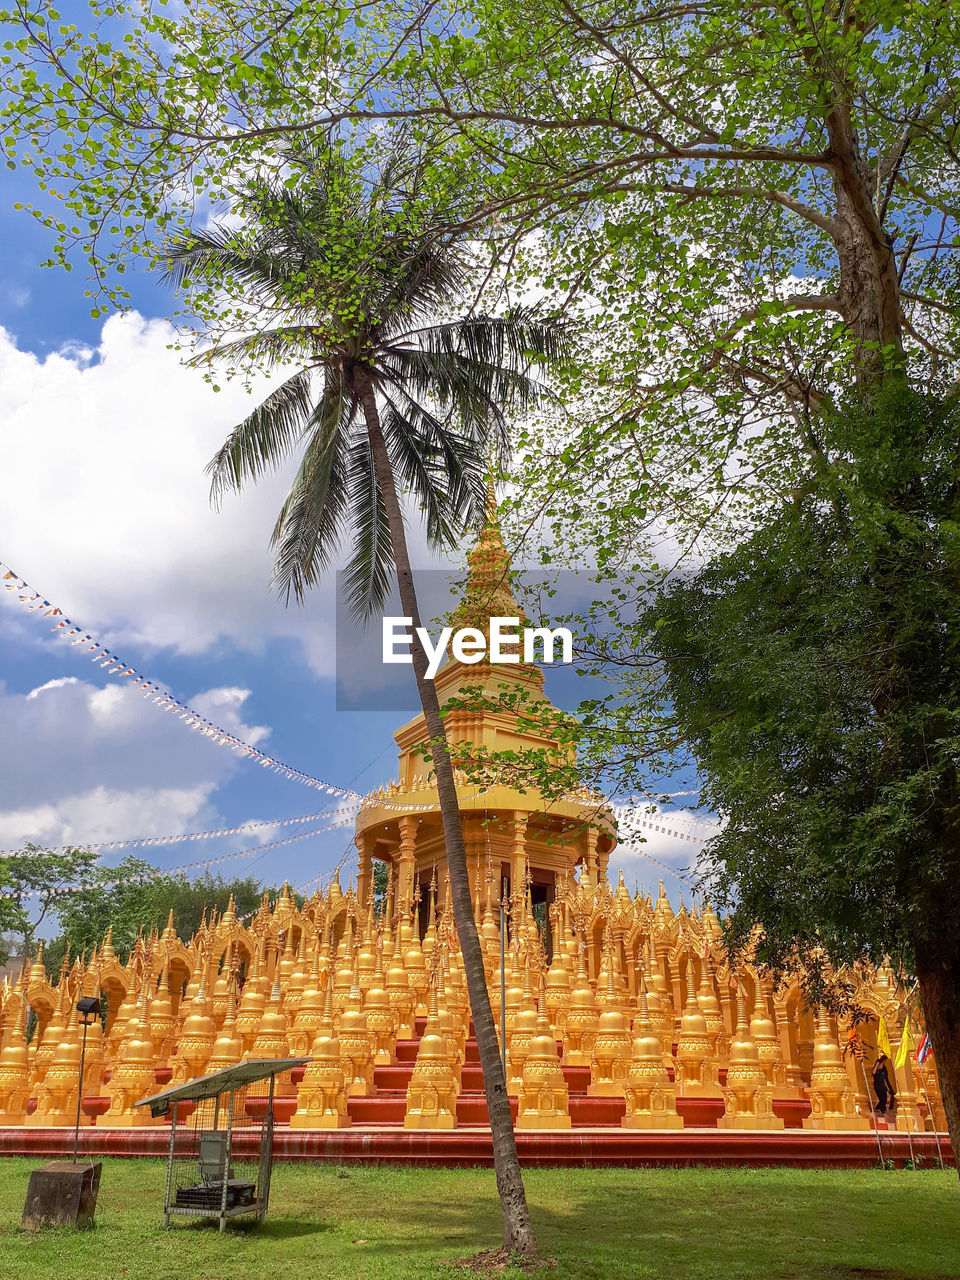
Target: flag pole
933,1120
873,1114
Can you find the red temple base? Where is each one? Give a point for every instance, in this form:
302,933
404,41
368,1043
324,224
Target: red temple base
470,1145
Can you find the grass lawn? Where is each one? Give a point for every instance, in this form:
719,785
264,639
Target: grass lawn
330,1221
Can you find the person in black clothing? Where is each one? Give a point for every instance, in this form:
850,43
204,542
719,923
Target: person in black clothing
882,1084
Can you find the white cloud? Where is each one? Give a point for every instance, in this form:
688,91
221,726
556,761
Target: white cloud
105,814
89,764
647,856
59,683
106,506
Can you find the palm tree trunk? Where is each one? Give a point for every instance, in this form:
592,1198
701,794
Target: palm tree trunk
517,1228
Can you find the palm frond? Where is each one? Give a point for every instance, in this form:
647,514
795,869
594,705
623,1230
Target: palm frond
421,274
442,469
280,345
264,439
372,566
478,367
344,272
515,340
218,253
458,385
316,510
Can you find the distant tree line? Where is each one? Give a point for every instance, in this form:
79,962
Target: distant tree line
87,898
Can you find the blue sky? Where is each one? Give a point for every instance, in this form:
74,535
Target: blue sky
103,509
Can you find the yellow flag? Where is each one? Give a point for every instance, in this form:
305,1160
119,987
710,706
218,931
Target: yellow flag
883,1040
906,1044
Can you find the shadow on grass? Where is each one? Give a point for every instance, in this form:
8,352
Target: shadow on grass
701,1224
272,1229
861,1273
290,1229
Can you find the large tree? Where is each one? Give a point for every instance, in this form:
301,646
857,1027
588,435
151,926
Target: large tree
134,897
38,882
815,673
773,188
11,916
346,277
748,208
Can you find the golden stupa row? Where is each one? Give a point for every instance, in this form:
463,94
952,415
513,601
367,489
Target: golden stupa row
635,999
617,1009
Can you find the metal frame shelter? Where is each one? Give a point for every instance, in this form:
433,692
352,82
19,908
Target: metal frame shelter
204,1180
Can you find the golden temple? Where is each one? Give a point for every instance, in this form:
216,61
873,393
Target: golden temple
619,1010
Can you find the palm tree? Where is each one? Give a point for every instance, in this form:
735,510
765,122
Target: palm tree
350,280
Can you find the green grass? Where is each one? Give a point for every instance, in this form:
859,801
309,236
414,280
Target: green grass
328,1222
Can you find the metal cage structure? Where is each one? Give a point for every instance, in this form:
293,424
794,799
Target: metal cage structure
221,1141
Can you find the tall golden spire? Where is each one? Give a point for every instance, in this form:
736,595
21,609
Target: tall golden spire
488,592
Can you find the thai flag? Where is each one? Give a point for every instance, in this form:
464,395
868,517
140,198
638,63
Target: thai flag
923,1048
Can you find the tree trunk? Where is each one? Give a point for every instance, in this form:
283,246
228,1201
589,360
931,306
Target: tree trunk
869,288
517,1228
938,971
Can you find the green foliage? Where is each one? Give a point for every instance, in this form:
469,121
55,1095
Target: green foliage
36,881
11,915
139,900
728,196
9,920
815,672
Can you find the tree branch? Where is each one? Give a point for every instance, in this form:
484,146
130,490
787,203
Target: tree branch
757,193
931,302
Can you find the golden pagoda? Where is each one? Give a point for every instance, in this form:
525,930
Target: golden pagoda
512,836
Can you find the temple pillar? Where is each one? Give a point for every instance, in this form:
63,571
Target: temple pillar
805,1041
677,980
929,1082
630,969
364,845
272,960
789,1047
406,863
476,870
391,904
855,1071
909,1114
518,867
728,1006
590,857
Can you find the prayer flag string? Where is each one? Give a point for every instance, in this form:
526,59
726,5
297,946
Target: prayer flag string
144,842
642,853
191,866
65,629
661,828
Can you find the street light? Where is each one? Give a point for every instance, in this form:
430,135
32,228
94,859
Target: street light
89,1010
62,1194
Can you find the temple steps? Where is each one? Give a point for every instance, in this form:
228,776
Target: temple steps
386,1107
389,1108
396,1075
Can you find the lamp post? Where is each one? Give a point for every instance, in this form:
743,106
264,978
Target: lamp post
89,1009
64,1193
